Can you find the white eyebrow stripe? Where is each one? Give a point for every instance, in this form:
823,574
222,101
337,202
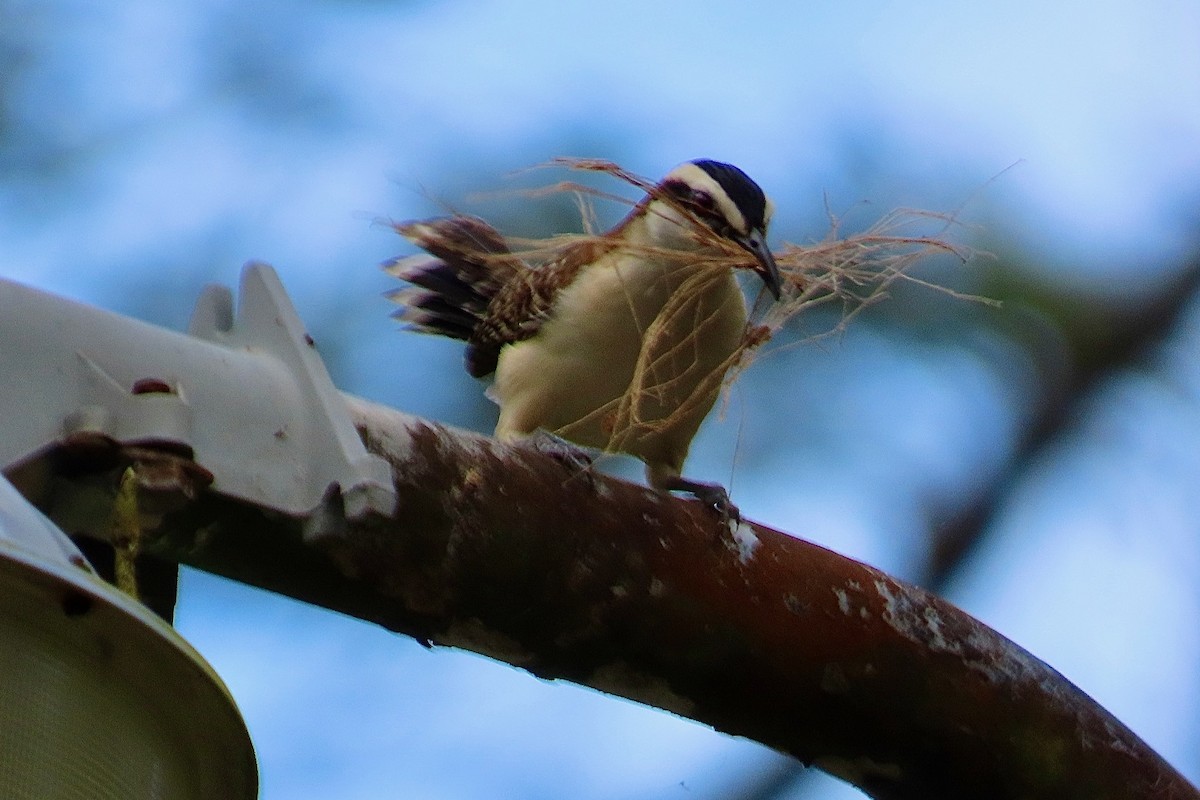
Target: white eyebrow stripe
697,178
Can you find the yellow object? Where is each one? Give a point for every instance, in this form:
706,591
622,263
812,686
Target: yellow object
126,533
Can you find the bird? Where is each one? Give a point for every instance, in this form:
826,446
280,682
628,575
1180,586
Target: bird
618,342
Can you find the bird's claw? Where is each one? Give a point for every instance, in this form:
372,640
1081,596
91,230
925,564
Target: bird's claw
712,495
571,456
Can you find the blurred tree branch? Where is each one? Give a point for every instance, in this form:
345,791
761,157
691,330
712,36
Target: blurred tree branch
1100,342
508,553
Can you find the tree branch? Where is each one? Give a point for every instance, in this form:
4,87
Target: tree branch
508,553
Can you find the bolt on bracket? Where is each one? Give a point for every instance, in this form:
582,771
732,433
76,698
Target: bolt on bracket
245,394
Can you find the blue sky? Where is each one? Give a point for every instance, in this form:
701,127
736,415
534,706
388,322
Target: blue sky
153,148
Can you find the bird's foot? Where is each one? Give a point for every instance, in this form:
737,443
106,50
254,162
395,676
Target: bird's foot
570,455
712,495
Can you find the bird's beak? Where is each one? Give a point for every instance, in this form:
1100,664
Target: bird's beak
767,269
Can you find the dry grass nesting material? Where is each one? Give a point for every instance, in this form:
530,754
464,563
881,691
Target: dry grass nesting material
854,270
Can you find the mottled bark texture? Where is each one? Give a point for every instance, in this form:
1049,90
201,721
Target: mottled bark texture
509,553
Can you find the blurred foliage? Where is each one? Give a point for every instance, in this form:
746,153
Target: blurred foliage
60,156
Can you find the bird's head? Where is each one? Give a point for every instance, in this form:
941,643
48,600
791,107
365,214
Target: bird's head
726,200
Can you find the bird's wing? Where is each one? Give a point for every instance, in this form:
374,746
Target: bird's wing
524,303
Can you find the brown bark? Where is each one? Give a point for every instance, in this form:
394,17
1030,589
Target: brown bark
511,554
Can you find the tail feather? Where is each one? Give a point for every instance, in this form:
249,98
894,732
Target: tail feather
466,263
430,313
434,277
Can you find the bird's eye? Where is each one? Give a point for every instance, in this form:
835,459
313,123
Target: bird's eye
703,200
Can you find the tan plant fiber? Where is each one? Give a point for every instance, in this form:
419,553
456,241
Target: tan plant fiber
856,270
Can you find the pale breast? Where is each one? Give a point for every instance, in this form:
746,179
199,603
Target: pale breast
574,378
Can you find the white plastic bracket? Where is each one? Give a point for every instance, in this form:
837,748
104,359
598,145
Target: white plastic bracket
246,395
